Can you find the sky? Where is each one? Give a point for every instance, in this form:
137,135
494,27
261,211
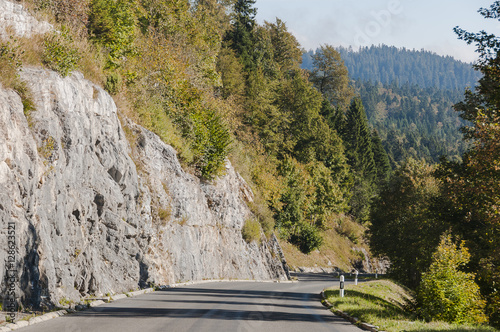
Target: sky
422,24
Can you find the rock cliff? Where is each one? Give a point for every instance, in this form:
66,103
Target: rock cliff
94,214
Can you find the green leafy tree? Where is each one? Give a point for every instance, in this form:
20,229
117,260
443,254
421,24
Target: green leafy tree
295,198
300,103
308,198
262,112
212,142
232,74
472,187
403,226
287,52
263,54
331,78
112,24
328,196
446,293
194,30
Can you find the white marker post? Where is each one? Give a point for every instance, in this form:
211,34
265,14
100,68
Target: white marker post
356,278
341,286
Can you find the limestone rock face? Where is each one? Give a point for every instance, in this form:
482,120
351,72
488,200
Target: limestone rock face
93,214
202,236
15,20
89,219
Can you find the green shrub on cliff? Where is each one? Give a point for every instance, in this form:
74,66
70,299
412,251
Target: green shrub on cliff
59,53
251,230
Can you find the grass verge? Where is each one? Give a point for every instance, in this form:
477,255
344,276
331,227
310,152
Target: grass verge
385,304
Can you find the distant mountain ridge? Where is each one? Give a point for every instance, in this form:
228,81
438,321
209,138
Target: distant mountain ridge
388,64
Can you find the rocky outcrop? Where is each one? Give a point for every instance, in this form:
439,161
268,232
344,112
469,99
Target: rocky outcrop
97,212
15,20
368,264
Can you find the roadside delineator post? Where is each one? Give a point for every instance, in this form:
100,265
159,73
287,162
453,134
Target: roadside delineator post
356,278
342,286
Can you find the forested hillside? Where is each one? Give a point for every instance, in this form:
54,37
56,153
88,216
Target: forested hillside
409,96
413,121
389,64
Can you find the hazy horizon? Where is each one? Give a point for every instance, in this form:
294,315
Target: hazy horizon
419,25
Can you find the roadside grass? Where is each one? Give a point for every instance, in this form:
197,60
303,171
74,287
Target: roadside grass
387,305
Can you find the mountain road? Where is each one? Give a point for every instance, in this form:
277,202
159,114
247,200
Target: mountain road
213,306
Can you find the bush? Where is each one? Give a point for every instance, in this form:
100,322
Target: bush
308,238
251,230
112,24
113,83
448,294
211,144
59,53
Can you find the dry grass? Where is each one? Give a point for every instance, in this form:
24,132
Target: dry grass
92,61
165,213
11,53
183,220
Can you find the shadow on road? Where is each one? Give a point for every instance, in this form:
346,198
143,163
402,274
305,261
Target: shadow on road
226,314
224,304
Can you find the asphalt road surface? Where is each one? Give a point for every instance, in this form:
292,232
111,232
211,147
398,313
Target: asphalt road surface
216,306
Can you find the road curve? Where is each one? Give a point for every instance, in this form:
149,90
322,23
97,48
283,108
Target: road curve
216,306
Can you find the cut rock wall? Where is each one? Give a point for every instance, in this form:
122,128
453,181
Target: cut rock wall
95,215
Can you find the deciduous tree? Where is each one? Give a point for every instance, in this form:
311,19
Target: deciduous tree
404,227
473,186
331,78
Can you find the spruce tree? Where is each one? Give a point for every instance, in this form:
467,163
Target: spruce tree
358,141
241,36
382,164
